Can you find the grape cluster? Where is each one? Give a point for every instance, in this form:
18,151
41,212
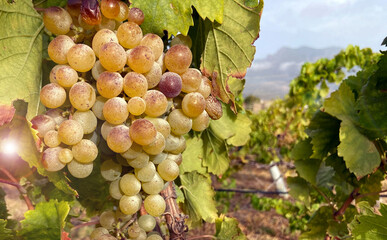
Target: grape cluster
120,94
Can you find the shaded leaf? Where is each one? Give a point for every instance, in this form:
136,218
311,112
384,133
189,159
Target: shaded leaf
371,184
341,104
308,169
5,233
199,198
46,221
21,54
193,156
302,150
3,205
215,155
318,224
360,154
227,229
299,189
324,131
230,44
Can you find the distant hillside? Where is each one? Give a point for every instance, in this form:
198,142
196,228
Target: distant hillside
269,78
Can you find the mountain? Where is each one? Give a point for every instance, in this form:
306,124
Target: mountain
269,78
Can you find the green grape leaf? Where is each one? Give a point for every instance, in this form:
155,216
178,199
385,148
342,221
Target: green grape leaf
19,130
371,184
302,150
337,229
193,156
46,221
171,15
299,189
370,225
227,229
318,224
3,206
228,49
211,9
5,233
93,190
341,104
307,169
360,154
21,54
215,156
199,198
372,102
234,128
324,131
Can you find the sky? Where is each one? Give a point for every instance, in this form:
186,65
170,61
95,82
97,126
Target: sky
321,23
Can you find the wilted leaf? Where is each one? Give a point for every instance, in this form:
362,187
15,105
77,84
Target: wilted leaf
215,156
211,9
193,156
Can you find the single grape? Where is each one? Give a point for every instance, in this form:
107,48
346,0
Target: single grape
136,106
174,144
70,132
153,75
124,12
140,161
118,139
129,34
146,173
112,56
73,7
105,129
154,42
110,8
147,222
201,122
178,59
90,12
102,37
65,156
98,232
50,159
57,20
98,107
157,146
114,189
121,217
130,185
135,84
177,158
83,24
154,237
52,95
141,59
154,186
130,204
170,84
97,69
106,23
85,151
156,159
51,139
115,110
161,125
181,39
110,84
82,96
136,15
191,80
43,124
156,103
161,62
205,87
214,108
135,231
87,119
180,123
110,170
143,132
133,151
168,170
107,219
154,205
81,57
58,48
64,75
193,104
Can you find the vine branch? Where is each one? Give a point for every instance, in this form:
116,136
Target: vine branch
346,204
